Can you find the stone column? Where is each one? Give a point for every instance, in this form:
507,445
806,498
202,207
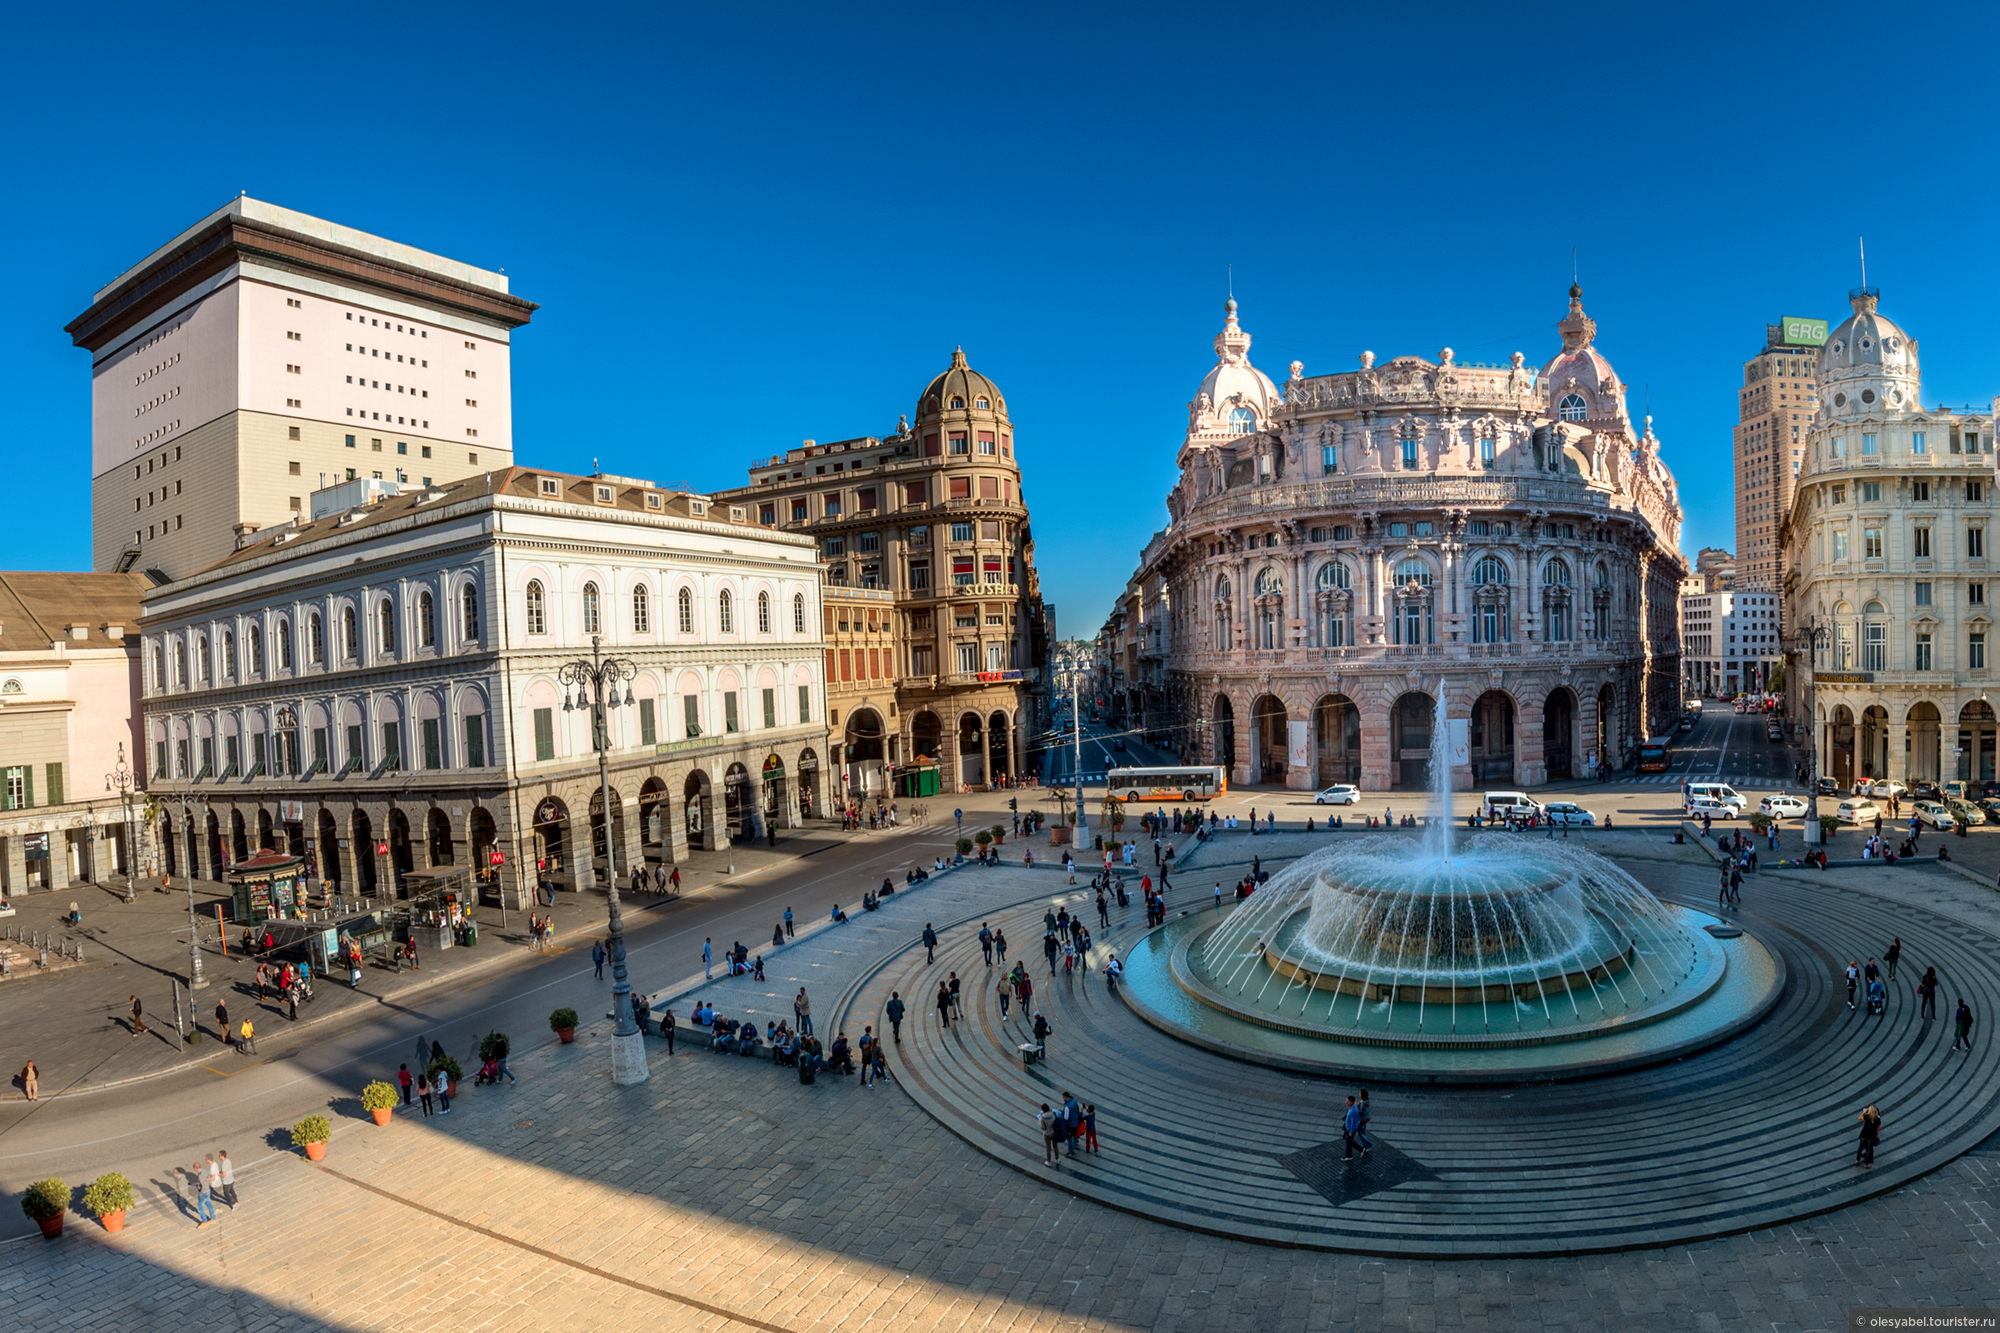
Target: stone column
632,846
1898,767
58,862
17,865
673,830
753,800
1376,737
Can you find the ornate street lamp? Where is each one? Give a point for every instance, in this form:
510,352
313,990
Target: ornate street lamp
1072,670
1811,638
120,780
594,681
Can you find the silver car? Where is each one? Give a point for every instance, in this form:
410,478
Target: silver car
1568,812
1338,794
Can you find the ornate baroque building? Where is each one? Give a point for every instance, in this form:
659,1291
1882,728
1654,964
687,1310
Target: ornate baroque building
1888,564
1341,551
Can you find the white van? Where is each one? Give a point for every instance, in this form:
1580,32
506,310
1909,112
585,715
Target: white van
1714,799
1500,804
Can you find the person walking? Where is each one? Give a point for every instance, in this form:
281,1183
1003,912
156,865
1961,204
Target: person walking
1006,996
1000,946
707,957
667,1026
930,943
222,1017
501,1050
1072,1114
803,1011
227,1174
204,1199
31,1081
1218,897
1927,994
1090,1126
403,1079
138,1016
1891,954
1041,1031
597,958
1853,979
1961,1027
944,1005
895,1010
424,1093
957,1000
675,879
1361,1130
1350,1126
867,1055
1049,1124
788,923
247,1035
986,943
1871,1134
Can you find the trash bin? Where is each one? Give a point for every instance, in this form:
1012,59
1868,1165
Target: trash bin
1028,1055
470,936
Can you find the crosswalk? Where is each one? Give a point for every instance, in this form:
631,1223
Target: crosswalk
1675,779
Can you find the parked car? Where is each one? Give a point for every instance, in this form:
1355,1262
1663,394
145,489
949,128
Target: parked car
1783,806
1954,791
1774,732
1826,787
1569,812
1990,807
1935,814
1687,724
1925,791
1715,794
1500,804
1966,813
1338,794
1860,811
1883,789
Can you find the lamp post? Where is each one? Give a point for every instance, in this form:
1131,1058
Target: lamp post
1072,665
1811,638
119,780
592,683
195,979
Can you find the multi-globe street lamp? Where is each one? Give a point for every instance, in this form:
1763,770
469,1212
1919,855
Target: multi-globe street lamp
1072,668
1811,639
593,683
120,780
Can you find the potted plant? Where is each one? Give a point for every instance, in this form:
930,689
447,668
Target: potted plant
109,1196
46,1201
491,1045
312,1134
563,1023
984,839
379,1100
446,1069
999,833
964,846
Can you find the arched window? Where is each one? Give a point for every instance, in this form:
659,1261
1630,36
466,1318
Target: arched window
202,660
180,662
1874,638
385,627
256,650
1489,571
228,655
798,613
1333,575
1572,408
981,404
957,403
1489,608
1224,639
1269,582
1413,572
642,611
159,666
315,640
284,645
763,613
686,602
592,620
468,612
1557,622
1600,577
725,613
1555,574
350,640
1242,421
426,620
538,620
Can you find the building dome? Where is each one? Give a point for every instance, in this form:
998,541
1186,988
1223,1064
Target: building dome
960,389
1580,383
1235,397
1868,364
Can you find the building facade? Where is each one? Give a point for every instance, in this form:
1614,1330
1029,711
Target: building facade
1775,407
263,354
69,666
379,690
1889,568
1731,642
1342,551
936,517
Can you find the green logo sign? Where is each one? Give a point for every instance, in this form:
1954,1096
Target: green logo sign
1805,332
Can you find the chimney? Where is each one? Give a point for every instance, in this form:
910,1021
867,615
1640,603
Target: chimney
246,533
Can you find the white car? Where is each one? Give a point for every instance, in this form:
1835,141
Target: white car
1885,790
1782,806
1867,812
1932,813
1568,812
1338,794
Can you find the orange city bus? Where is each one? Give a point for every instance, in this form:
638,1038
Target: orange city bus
1189,782
1653,755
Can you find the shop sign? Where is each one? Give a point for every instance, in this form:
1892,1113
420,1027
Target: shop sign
292,812
1843,677
548,812
1801,332
985,676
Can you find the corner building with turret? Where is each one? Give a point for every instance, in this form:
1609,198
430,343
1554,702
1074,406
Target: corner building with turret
1341,550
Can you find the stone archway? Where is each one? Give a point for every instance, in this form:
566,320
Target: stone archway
1336,740
1267,739
169,850
1840,746
1559,735
1610,745
863,742
698,812
552,841
1410,725
239,839
999,755
1493,738
1872,747
775,791
654,812
809,783
217,858
735,801
361,834
484,836
1976,738
1222,728
326,849
607,842
437,837
1922,734
402,858
267,834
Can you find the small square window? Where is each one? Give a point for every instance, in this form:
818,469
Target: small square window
294,469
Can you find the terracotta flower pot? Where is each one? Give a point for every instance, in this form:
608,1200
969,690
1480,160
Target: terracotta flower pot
452,1088
568,1035
382,1114
114,1221
315,1151
51,1226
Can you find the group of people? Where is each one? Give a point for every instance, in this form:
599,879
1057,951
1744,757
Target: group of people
1066,939
875,817
1065,1126
205,1182
289,983
541,932
656,883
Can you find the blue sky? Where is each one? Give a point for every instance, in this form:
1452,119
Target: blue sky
752,225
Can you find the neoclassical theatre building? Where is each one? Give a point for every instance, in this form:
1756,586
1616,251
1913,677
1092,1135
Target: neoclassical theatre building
1341,551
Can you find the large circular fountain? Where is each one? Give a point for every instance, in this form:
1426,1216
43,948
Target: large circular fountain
1458,954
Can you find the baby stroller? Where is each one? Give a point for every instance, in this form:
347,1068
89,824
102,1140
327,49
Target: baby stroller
1877,999
488,1073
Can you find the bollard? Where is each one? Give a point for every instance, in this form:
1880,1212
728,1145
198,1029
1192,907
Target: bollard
79,953
45,958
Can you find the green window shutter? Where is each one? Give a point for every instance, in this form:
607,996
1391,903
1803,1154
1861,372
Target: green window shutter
28,775
729,711
805,703
55,784
648,732
545,733
475,740
770,708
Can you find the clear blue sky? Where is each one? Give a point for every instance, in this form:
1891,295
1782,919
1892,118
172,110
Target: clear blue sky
750,225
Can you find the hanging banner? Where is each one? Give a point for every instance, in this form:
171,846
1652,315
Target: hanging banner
1459,739
1298,744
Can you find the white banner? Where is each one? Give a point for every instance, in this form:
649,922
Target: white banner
1460,740
1298,747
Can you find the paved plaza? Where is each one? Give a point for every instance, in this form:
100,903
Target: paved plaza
722,1194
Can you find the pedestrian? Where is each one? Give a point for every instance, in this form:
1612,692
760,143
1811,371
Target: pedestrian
1072,1116
1891,954
138,1016
1927,993
1218,897
597,958
403,1078
802,1010
1000,946
1350,1126
248,1035
667,1026
675,879
424,1093
292,1001
222,1017
1361,1130
788,923
31,1081
204,1199
957,999
930,943
1006,996
895,1010
1871,1134
1090,1126
707,957
263,979
944,1005
228,1176
1853,979
867,1056
1041,1031
1051,1129
986,943
500,1052
1961,1024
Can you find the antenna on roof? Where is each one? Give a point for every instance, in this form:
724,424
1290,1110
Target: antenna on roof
1230,271
1572,266
1862,242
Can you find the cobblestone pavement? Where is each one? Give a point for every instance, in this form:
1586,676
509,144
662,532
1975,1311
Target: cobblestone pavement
724,1195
